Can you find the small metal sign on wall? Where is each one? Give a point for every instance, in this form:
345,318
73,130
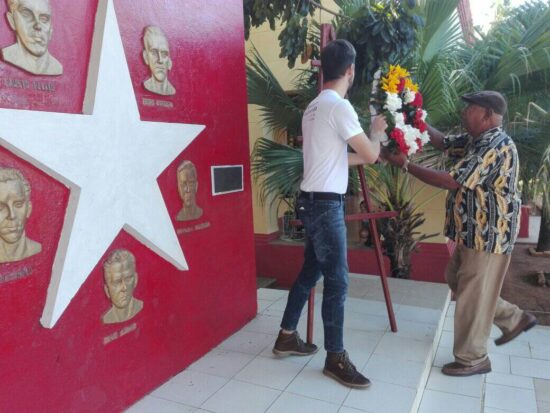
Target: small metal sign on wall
227,179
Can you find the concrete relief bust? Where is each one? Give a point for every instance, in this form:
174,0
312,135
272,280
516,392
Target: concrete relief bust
156,55
120,280
15,209
187,188
31,20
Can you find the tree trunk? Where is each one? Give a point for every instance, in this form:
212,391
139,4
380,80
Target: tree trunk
544,235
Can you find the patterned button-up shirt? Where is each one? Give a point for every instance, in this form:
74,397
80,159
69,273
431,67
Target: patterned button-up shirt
483,214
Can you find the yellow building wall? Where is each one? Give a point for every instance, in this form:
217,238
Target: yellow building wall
265,217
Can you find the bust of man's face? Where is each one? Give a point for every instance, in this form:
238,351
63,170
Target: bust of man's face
15,208
31,21
187,179
157,56
120,282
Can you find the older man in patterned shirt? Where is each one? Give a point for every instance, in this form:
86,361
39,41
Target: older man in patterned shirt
483,208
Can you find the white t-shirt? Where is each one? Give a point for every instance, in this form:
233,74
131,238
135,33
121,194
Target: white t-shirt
328,123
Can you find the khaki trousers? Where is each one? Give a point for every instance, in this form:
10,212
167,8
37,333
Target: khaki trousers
476,278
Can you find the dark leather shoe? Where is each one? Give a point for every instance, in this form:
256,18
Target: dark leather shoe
339,367
527,322
293,345
460,370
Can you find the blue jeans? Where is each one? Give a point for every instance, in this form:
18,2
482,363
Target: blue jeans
325,254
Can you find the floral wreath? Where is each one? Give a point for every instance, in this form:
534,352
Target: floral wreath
397,98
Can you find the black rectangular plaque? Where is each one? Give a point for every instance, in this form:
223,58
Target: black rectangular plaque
227,179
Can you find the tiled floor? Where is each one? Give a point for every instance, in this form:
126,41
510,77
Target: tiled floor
241,375
519,382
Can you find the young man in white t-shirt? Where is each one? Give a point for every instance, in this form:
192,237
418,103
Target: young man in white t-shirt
329,125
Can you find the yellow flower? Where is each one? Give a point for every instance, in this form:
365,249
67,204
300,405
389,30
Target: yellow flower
409,84
391,81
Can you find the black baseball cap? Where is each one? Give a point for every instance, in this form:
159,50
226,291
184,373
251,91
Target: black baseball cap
488,99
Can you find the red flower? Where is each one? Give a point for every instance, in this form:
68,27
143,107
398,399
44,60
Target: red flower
401,86
418,101
399,137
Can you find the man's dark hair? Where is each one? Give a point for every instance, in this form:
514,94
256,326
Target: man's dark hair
336,57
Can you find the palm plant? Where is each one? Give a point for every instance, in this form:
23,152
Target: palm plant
544,188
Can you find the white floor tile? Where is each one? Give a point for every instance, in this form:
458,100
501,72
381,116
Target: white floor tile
538,335
271,294
449,324
312,383
391,370
382,397
438,402
451,309
493,410
153,404
542,390
264,324
222,363
403,348
263,304
293,403
510,380
465,386
239,397
500,363
510,398
540,351
539,369
419,314
248,342
447,339
273,373
416,330
345,409
443,356
543,407
513,348
365,322
190,388
377,308
300,360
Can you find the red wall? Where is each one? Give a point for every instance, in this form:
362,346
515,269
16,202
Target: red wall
70,368
283,261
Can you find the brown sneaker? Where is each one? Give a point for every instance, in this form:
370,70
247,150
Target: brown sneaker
292,344
527,322
461,370
339,367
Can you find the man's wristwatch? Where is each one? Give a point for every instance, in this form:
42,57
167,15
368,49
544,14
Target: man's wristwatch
405,166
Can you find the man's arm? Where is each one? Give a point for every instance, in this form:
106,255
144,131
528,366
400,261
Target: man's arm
367,150
436,137
439,179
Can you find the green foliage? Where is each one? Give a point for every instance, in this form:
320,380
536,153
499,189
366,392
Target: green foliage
382,32
292,14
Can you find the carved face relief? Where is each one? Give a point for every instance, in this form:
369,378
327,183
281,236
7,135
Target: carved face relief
120,282
31,21
15,208
157,56
187,181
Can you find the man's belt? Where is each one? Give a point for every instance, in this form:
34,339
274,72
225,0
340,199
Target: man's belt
321,196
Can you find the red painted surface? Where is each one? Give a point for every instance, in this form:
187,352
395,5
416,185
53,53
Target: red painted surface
73,26
283,261
524,222
185,314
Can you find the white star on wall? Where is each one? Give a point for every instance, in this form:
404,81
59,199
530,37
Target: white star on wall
110,160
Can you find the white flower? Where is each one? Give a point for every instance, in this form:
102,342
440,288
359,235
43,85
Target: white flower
411,135
408,96
393,102
399,119
425,137
424,115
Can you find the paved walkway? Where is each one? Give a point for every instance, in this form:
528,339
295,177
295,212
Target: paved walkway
241,375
